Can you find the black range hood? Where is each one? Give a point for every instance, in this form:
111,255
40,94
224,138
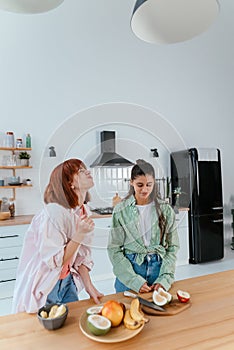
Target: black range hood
108,156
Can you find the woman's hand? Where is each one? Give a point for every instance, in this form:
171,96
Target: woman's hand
94,293
84,226
89,287
157,286
145,288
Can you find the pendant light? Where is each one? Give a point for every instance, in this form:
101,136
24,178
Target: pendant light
172,21
29,6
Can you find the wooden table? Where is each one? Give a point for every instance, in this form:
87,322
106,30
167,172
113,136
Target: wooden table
207,324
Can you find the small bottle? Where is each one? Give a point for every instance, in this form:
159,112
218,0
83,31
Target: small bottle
116,199
12,207
19,143
28,141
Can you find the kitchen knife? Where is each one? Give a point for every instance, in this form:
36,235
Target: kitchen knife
150,304
144,301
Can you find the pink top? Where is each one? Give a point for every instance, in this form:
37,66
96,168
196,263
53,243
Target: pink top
37,273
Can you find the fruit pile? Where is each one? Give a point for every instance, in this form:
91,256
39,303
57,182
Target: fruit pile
113,313
55,311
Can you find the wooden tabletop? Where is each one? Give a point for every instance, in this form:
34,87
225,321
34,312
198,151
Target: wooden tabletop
207,324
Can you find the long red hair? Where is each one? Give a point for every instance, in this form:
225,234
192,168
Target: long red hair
59,188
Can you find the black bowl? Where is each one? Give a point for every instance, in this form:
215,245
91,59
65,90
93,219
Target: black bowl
52,323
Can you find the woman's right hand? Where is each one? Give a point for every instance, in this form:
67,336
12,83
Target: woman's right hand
145,288
84,226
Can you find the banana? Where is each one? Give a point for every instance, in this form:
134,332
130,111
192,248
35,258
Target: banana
60,311
43,314
53,311
136,312
129,322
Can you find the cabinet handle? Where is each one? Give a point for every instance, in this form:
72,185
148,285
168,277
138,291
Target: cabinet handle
7,259
11,236
10,280
219,220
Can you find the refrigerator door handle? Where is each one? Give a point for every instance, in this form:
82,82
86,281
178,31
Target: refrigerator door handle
219,220
217,208
197,179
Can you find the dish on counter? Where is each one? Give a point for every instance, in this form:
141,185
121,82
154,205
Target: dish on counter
115,335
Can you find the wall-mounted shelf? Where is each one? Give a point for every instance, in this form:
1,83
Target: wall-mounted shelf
15,149
13,168
15,186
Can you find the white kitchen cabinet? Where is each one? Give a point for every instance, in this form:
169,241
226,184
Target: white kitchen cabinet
11,240
101,273
183,253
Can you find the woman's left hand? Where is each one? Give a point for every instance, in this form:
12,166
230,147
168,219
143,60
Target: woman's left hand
89,287
94,293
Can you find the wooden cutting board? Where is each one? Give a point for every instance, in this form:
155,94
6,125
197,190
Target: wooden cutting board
172,308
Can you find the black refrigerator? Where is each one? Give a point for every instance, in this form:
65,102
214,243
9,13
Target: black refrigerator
197,173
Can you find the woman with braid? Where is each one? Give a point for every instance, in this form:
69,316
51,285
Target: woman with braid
143,240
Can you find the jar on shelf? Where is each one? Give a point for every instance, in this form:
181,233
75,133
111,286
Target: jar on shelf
19,143
5,204
9,140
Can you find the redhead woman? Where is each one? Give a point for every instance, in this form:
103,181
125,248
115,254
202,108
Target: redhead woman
143,240
56,257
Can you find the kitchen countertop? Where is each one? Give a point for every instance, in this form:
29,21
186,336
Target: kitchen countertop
26,219
17,220
206,324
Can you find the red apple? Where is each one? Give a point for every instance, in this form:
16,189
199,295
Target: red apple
183,296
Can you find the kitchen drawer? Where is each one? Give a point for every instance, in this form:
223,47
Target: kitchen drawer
9,257
7,289
10,252
11,240
7,275
12,235
9,263
5,306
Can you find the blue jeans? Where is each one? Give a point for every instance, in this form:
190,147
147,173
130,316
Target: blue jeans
149,270
63,292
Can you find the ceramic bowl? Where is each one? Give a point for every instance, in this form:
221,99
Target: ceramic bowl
52,323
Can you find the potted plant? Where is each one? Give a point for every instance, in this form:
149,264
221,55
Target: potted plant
24,158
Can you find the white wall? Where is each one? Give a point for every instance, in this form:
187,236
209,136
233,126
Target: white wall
82,54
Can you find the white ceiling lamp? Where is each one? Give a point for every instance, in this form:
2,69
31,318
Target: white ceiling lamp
29,6
172,21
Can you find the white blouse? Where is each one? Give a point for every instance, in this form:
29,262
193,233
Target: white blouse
145,216
41,258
